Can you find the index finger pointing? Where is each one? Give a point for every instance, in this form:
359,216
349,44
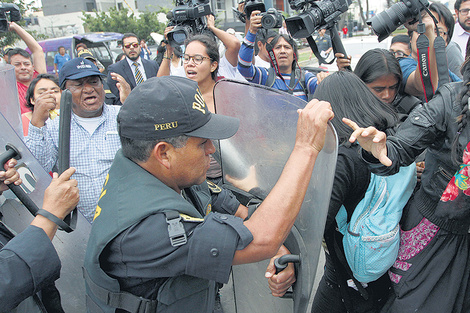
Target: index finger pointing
67,174
350,123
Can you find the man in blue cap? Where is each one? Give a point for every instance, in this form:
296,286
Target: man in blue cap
93,133
162,236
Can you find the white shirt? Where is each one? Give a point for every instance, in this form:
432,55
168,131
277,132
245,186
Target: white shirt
227,70
460,37
141,67
259,62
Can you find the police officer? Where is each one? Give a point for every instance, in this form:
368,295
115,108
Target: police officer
162,236
29,264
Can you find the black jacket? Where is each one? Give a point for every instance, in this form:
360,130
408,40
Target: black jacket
432,126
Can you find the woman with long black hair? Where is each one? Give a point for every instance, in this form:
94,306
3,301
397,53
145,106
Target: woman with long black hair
337,293
432,271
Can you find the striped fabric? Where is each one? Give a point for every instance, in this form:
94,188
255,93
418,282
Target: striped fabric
138,75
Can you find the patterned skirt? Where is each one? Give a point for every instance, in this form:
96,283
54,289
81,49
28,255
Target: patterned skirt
432,270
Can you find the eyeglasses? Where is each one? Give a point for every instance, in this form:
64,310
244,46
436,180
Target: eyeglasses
399,54
198,59
464,11
133,45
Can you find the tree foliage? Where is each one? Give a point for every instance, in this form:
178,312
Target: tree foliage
122,21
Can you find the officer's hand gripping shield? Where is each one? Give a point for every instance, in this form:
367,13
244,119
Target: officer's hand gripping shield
266,137
70,246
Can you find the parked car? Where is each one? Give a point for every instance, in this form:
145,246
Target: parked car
97,43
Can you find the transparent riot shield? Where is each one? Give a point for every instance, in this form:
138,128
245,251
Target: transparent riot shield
9,104
265,139
70,246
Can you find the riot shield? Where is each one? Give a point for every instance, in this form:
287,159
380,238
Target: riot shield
268,120
9,104
70,247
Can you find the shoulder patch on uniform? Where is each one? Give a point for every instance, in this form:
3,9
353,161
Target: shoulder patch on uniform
213,187
188,218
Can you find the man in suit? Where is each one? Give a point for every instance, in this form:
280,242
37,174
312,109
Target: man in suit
133,68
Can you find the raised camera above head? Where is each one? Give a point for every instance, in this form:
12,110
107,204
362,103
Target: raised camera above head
254,5
190,10
14,13
188,17
271,19
386,22
315,14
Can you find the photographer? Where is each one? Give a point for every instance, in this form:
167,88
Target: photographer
289,77
29,264
412,80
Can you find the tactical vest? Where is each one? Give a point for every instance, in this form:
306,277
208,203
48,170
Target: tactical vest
129,195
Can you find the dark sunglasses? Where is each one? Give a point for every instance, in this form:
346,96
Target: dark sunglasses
133,45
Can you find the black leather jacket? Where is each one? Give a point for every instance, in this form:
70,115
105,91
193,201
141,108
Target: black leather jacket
432,126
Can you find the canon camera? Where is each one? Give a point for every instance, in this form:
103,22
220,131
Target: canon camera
271,19
386,22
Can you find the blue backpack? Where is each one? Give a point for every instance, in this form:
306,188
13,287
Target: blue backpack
372,238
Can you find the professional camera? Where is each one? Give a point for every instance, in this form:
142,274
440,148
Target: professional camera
314,15
188,18
385,23
271,19
253,5
15,15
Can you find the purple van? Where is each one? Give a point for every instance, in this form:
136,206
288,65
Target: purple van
96,43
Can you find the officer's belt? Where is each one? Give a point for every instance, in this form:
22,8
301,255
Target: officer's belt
120,300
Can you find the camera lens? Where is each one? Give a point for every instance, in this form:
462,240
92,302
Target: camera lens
268,21
385,23
179,37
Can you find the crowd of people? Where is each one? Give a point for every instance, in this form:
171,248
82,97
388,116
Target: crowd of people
146,127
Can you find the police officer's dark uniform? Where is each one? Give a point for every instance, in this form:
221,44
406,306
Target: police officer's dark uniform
28,265
152,249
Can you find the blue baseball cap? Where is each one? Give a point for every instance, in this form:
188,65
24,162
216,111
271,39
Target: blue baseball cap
77,68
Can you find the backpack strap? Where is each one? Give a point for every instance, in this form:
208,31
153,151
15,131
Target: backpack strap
304,85
271,77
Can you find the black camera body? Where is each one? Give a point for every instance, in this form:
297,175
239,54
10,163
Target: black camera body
188,18
14,13
271,19
386,22
253,5
314,15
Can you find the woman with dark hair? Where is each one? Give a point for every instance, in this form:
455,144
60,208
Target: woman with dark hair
43,90
381,72
432,271
349,97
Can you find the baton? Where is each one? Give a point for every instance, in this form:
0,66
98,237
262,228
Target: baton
64,148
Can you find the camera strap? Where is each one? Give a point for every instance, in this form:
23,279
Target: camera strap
422,45
314,48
